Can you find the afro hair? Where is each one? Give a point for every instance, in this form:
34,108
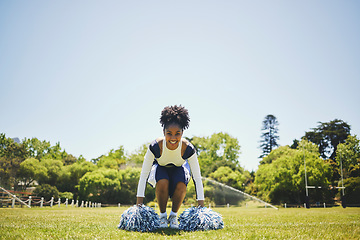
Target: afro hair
175,114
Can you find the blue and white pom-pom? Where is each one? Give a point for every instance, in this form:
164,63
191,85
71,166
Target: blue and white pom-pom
200,218
139,218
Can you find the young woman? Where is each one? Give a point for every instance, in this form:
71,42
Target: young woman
168,165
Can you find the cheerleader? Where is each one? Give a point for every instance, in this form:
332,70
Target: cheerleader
169,163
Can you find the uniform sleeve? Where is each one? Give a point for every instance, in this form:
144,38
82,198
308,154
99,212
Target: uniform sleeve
146,167
196,174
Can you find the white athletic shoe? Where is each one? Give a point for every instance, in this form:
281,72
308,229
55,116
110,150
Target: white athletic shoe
163,222
173,222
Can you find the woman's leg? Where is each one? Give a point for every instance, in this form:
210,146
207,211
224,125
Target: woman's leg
162,193
178,196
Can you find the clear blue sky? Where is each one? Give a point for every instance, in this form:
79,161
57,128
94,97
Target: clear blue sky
94,75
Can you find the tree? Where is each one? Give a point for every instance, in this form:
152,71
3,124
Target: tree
232,178
31,170
114,159
352,190
70,176
108,162
37,149
11,155
101,185
130,178
54,170
218,150
269,135
46,191
349,154
327,136
68,195
43,149
295,144
69,159
283,178
137,157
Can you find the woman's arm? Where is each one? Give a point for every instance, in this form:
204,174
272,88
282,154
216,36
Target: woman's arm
196,174
146,167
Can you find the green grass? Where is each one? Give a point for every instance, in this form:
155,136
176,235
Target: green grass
240,223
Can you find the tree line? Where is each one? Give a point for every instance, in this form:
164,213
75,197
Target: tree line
113,177
110,178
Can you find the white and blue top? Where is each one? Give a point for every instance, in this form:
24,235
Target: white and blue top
170,158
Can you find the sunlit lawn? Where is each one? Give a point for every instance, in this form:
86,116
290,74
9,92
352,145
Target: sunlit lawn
240,223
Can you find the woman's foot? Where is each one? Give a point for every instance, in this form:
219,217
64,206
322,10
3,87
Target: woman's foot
163,222
174,224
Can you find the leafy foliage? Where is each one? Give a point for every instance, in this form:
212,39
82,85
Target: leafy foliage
70,176
136,158
218,150
352,190
68,195
46,191
282,178
114,159
12,154
30,170
54,171
100,185
229,177
130,178
348,154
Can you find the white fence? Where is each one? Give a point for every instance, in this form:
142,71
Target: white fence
34,201
59,202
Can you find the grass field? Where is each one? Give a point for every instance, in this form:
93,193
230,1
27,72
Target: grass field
240,223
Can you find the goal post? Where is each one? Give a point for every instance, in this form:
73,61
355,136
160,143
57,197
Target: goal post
307,199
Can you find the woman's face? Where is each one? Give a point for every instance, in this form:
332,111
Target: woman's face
173,134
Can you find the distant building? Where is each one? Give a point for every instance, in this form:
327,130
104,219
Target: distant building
17,140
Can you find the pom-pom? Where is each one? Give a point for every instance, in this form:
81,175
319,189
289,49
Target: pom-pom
139,218
200,218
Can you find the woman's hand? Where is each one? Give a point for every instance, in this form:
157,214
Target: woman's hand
139,201
201,203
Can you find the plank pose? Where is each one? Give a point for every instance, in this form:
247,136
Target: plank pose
169,163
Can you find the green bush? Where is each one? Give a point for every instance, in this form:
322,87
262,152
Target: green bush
46,191
352,190
67,195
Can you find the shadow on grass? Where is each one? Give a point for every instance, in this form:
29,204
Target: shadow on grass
162,231
168,231
174,232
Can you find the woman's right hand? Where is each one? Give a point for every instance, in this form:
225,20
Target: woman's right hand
201,203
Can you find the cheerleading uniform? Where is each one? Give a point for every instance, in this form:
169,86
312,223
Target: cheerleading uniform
172,166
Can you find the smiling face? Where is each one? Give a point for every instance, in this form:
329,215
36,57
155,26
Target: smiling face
173,134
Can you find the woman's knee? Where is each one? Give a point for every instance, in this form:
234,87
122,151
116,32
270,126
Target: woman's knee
180,186
162,185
